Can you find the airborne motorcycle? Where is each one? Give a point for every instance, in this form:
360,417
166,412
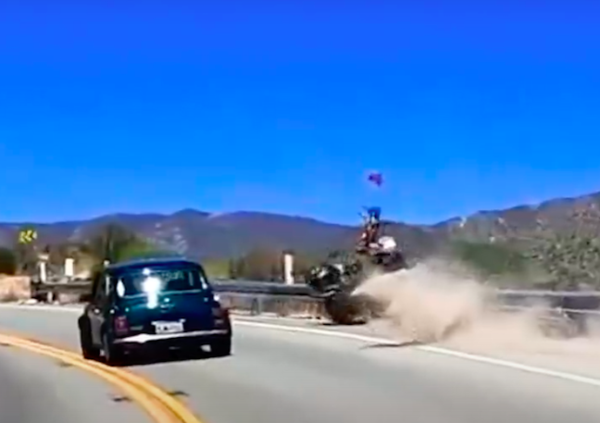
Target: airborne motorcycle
335,280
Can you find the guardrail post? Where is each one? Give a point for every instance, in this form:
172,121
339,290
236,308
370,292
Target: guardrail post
43,272
288,268
69,268
256,307
43,267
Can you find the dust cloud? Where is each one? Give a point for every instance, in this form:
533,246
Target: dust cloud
441,302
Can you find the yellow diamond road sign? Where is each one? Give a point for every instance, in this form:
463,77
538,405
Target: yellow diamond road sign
27,236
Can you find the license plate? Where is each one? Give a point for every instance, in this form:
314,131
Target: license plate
168,327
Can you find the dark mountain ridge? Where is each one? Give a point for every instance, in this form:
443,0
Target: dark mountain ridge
203,234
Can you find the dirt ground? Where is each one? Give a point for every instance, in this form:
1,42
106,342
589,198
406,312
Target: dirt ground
14,288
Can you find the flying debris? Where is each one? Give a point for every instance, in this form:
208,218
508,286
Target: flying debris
376,178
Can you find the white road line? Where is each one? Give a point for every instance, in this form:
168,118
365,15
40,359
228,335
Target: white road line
370,339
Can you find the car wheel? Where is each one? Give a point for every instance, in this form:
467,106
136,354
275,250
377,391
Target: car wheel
221,348
112,355
88,351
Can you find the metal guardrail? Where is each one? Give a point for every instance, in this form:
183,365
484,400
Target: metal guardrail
249,296
259,296
280,288
277,288
580,302
258,287
256,298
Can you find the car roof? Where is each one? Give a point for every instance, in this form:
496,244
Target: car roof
159,261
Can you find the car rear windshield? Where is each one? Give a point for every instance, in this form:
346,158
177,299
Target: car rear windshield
142,281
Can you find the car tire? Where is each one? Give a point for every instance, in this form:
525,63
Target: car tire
113,356
88,351
221,348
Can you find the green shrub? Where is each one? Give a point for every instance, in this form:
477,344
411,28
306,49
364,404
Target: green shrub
490,259
8,261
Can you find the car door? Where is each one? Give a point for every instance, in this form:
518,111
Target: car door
97,307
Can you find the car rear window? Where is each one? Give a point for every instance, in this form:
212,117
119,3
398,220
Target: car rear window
142,281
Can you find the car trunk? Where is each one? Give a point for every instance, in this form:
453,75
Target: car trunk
171,312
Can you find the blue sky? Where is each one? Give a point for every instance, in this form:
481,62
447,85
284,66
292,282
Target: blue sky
285,106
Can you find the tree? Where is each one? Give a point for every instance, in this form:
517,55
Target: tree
240,268
259,263
79,252
25,258
8,261
116,243
570,259
303,262
266,264
138,248
110,241
571,256
491,259
25,249
232,268
216,268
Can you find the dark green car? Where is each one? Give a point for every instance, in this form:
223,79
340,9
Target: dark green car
152,306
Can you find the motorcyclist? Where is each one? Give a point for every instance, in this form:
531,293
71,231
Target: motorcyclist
382,251
371,226
388,256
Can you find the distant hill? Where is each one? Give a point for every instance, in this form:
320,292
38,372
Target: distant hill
202,234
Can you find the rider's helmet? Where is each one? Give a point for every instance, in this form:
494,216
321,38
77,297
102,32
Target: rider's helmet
373,215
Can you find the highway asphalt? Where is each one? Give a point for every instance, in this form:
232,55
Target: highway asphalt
277,376
35,389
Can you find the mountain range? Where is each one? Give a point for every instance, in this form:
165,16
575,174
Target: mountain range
211,235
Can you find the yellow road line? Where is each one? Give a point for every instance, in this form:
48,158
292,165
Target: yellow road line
158,404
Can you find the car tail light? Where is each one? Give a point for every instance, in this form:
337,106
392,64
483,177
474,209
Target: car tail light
220,312
121,325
